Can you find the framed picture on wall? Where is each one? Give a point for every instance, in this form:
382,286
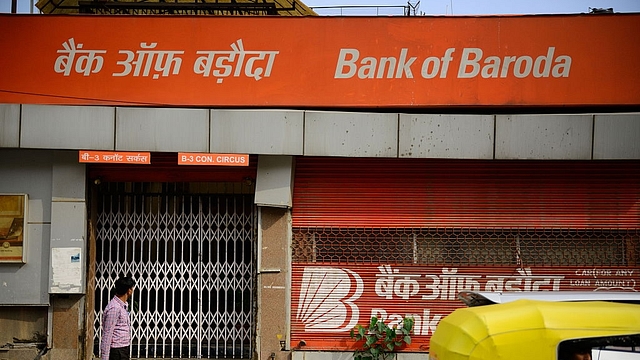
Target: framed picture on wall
13,225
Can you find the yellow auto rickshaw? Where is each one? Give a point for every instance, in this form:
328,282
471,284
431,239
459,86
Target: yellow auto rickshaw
527,329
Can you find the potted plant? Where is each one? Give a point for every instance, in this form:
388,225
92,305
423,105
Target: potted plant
379,341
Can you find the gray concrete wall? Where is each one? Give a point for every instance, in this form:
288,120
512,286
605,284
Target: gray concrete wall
169,130
274,181
616,137
10,126
350,134
29,172
52,180
544,137
446,136
67,127
268,132
24,297
323,133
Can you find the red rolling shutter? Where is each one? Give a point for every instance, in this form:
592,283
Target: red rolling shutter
381,192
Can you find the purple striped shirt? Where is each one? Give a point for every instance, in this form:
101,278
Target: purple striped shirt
116,327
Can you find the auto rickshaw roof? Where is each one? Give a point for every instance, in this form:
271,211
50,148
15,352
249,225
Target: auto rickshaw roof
528,329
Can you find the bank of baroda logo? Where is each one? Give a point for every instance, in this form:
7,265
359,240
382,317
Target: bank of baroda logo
327,297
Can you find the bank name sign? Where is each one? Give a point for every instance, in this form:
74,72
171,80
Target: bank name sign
560,60
471,64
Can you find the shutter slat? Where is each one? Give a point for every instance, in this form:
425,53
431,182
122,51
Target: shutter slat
368,192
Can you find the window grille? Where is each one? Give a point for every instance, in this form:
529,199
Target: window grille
454,246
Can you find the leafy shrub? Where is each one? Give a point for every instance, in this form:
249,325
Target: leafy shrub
379,340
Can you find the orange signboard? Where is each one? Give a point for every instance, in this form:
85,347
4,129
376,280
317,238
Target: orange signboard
111,157
555,60
213,159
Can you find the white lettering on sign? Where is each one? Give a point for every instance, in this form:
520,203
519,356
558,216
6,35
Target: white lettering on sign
114,157
390,282
164,62
225,61
595,273
213,159
370,67
525,281
231,159
148,61
447,285
433,65
518,66
424,324
472,63
88,61
197,158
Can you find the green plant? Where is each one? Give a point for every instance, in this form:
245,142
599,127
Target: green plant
379,340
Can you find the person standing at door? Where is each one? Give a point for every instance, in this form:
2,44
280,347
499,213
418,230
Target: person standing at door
116,325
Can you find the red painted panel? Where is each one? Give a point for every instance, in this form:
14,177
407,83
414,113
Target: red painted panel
329,300
361,192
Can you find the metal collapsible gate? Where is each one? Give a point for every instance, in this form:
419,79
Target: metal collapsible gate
192,257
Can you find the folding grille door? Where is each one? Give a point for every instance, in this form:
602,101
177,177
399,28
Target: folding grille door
192,259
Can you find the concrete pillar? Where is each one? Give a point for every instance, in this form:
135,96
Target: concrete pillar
274,283
68,229
67,331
